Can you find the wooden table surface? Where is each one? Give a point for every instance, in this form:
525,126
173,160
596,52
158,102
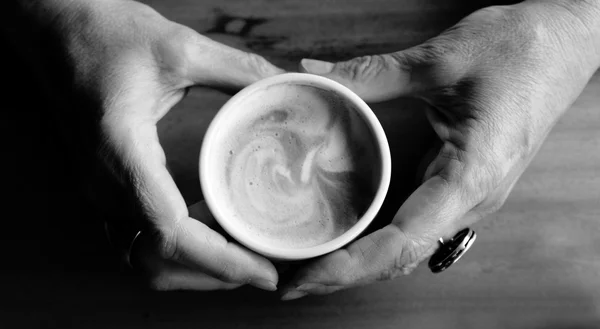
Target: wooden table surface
535,264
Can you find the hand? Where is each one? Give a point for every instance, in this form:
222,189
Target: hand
495,84
128,66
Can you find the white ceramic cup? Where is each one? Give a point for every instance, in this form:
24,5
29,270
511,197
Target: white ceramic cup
209,164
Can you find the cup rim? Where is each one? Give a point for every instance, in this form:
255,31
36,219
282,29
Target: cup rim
290,254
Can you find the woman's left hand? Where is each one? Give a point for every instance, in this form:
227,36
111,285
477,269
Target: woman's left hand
495,83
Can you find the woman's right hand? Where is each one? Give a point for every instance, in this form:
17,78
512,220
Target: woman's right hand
128,66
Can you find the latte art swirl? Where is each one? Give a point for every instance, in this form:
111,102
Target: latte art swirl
294,174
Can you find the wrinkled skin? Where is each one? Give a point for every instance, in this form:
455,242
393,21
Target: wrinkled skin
128,66
495,85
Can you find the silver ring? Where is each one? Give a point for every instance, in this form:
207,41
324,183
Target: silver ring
451,251
119,241
130,249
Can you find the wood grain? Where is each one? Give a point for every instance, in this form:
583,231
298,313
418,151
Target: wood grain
535,264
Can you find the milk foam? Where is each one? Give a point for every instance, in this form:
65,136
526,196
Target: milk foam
299,167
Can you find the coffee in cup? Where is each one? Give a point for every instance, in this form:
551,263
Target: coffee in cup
293,165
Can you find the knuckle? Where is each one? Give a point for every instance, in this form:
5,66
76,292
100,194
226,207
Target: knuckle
452,163
180,36
516,32
364,68
344,279
433,52
496,205
441,54
471,169
389,274
175,51
440,60
405,252
395,272
404,263
229,272
475,170
344,271
258,63
413,251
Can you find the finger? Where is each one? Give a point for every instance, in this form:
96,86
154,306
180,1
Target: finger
312,289
227,264
202,61
377,78
185,279
429,213
129,125
196,246
164,275
177,237
382,255
201,212
176,277
224,266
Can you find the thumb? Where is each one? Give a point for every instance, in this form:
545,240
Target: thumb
378,78
199,60
223,66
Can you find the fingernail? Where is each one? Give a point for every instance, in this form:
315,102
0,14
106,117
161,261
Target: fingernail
264,284
294,294
316,66
309,287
